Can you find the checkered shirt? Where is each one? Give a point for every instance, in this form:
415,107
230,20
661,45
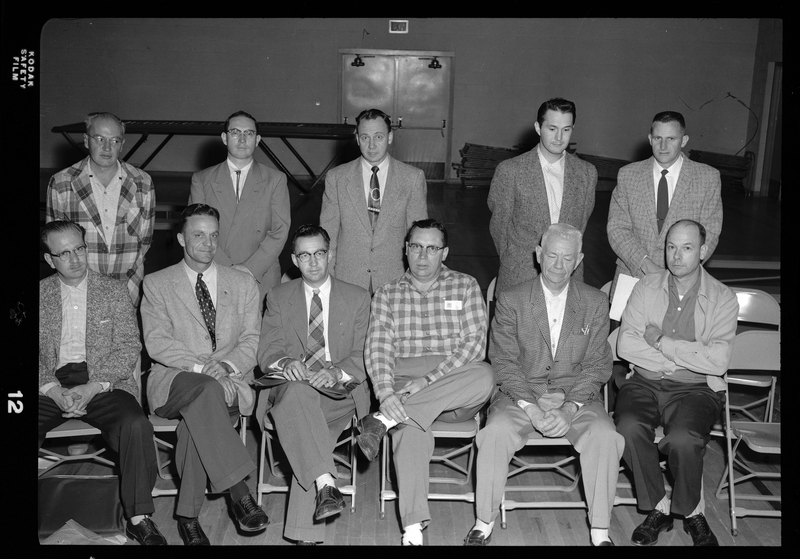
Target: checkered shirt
69,197
407,323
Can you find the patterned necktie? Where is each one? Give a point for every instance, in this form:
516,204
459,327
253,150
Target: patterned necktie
662,200
374,207
207,308
316,335
238,175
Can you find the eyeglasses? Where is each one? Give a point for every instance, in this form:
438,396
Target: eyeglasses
64,256
306,256
430,250
113,142
235,132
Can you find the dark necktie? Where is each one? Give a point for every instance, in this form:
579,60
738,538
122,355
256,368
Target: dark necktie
662,200
207,308
238,175
374,207
316,335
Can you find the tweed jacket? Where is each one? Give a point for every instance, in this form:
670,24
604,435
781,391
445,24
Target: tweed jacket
520,211
112,336
69,197
715,315
253,231
632,228
175,333
284,333
359,253
520,349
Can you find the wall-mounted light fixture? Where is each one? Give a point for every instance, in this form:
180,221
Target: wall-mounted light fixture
357,62
435,64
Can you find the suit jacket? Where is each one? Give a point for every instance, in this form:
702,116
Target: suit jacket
632,228
175,332
520,212
254,231
520,349
112,336
359,253
284,333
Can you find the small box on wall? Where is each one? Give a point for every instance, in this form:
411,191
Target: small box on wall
398,26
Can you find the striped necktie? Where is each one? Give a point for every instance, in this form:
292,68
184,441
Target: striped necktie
316,335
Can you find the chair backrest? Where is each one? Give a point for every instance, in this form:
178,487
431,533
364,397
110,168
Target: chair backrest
757,306
490,291
612,340
756,350
606,289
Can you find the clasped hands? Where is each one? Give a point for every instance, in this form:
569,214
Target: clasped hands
222,371
73,401
296,370
550,417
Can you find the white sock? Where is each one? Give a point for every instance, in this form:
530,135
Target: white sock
483,526
599,535
323,480
385,420
412,535
664,505
138,518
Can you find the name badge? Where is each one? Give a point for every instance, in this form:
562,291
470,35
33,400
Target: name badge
452,305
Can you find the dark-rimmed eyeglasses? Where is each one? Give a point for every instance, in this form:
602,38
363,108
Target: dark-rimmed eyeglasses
430,250
64,256
235,133
306,256
101,140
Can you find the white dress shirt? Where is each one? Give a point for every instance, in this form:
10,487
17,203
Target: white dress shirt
553,182
107,200
242,177
366,175
672,177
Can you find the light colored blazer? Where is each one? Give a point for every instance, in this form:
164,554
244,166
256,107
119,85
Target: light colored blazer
175,332
358,253
112,336
284,333
254,231
520,349
520,212
632,228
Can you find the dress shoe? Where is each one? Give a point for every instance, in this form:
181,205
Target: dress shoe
697,527
477,538
329,502
146,532
249,515
602,543
303,542
647,532
371,431
192,534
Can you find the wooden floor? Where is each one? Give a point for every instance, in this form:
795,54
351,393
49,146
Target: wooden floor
752,229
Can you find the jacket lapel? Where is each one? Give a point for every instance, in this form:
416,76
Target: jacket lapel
534,170
571,310
681,189
299,315
648,193
184,290
538,308
338,308
569,199
82,186
356,189
392,195
223,188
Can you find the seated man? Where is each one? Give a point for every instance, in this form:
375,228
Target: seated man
313,331
201,329
550,352
88,348
424,353
676,330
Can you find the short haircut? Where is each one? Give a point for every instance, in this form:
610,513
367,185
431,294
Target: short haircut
697,224
197,209
428,224
59,227
556,104
310,230
371,114
239,113
90,118
563,231
669,116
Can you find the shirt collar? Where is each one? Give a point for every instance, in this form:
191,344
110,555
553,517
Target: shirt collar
233,168
324,289
382,166
673,169
559,161
550,296
208,275
67,289
444,274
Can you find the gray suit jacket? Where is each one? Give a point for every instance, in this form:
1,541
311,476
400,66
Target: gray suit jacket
520,349
632,228
175,332
254,231
520,212
284,333
112,336
359,253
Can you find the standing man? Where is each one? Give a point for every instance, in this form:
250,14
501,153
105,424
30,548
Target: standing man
551,356
676,331
653,194
531,191
424,355
201,327
368,206
313,331
253,203
113,201
88,349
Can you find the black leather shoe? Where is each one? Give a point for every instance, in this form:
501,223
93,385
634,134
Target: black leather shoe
697,527
477,538
647,532
249,515
192,534
146,532
329,502
371,431
303,542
